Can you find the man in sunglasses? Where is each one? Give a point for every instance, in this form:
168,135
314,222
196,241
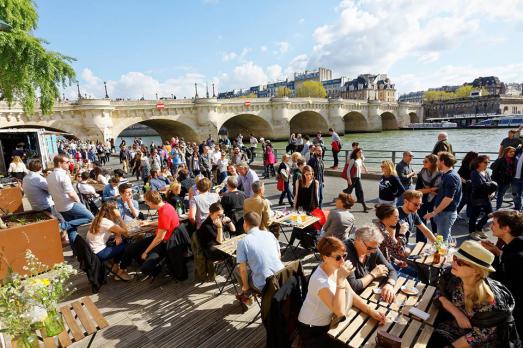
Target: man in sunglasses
408,215
369,263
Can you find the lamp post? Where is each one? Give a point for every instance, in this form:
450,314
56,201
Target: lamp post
78,88
213,94
105,86
207,88
195,90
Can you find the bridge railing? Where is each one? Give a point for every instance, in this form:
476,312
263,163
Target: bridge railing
373,158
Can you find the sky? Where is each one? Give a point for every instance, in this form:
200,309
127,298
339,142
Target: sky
164,47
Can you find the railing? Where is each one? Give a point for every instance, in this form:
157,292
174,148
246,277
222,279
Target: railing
373,158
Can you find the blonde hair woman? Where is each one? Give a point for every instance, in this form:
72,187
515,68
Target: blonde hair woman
480,308
17,168
390,187
107,223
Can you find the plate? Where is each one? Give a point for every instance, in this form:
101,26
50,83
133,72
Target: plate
409,290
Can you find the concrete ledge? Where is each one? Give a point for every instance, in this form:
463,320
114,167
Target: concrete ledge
330,172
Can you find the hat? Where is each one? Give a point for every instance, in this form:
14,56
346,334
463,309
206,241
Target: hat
476,254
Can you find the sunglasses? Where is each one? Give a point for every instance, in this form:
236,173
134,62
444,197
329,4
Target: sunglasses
459,262
415,204
369,248
340,257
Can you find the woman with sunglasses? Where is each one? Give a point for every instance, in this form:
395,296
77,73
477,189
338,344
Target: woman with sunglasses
477,310
369,263
482,191
394,244
329,295
503,170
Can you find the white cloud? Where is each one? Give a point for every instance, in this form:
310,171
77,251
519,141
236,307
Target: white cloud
371,36
456,75
135,85
297,64
274,72
301,20
283,47
263,48
227,56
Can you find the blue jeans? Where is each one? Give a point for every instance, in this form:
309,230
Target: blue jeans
286,192
76,216
112,252
444,222
517,189
320,193
64,225
221,177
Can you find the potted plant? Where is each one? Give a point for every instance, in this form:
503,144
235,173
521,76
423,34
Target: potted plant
11,199
28,304
37,231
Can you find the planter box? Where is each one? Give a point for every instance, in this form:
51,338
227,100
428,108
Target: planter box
11,199
42,237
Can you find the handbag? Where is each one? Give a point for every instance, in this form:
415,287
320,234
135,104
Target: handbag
280,185
321,216
344,171
387,340
336,146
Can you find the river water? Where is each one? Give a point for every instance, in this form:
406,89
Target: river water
462,140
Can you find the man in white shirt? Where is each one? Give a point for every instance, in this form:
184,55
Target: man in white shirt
65,197
254,145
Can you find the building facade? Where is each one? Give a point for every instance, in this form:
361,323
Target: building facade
473,106
412,97
491,83
370,87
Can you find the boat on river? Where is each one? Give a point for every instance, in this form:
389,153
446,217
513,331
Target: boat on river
500,121
432,125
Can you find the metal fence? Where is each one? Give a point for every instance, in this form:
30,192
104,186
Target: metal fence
373,158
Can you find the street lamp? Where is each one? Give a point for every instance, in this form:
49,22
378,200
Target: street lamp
213,94
4,26
105,86
78,88
195,90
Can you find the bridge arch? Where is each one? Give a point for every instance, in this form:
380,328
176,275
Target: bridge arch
308,122
413,117
247,124
389,121
166,127
355,122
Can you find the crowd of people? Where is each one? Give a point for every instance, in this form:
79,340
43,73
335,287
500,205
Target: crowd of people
215,188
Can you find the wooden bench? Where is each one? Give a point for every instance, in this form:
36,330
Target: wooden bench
81,320
359,330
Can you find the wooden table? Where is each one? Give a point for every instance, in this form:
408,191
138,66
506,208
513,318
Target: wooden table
286,220
424,300
82,319
230,245
359,330
421,249
99,188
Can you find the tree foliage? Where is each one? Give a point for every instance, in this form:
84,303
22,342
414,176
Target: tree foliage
27,69
283,92
461,92
312,89
251,95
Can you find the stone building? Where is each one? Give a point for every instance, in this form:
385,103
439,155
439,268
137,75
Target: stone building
412,97
370,87
491,83
484,105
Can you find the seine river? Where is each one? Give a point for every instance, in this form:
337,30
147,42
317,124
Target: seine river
462,140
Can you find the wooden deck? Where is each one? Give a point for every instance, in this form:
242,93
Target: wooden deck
173,314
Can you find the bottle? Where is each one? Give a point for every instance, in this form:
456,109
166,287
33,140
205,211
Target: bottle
179,208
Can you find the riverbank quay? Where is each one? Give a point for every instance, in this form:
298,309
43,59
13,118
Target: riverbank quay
166,313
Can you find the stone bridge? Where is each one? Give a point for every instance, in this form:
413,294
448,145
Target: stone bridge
273,118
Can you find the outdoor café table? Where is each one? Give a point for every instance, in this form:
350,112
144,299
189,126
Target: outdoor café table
228,247
287,220
424,300
359,329
427,269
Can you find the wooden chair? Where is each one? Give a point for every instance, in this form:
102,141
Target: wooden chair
82,319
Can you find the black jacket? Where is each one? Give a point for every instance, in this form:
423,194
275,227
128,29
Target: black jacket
502,171
90,263
506,273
